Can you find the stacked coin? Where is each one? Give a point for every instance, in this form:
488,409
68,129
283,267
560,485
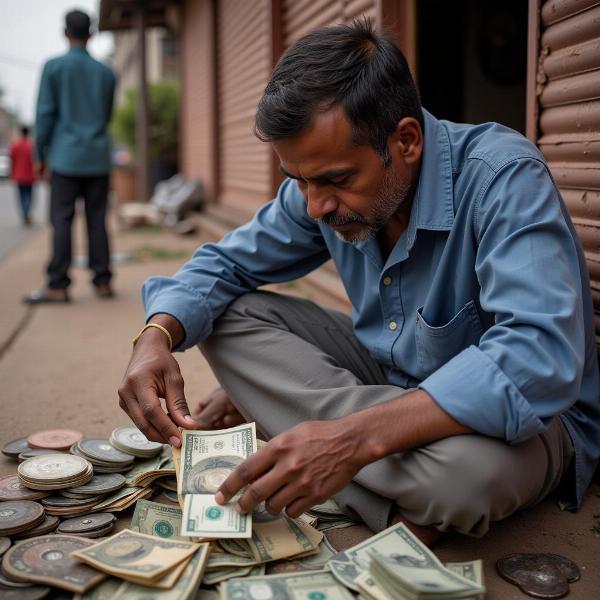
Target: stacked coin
48,525
133,441
101,484
13,448
60,506
55,471
54,439
92,525
31,452
11,488
19,516
104,457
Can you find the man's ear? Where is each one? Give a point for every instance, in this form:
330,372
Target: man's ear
406,141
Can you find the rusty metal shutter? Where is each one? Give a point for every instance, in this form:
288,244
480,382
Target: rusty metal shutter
569,117
244,65
301,16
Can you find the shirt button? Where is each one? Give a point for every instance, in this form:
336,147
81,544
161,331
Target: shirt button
393,325
387,280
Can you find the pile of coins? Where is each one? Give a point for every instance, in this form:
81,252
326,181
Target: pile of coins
54,472
133,441
105,457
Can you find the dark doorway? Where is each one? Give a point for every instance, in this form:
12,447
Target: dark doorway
472,60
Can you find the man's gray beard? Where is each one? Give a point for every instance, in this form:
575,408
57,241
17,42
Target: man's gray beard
392,194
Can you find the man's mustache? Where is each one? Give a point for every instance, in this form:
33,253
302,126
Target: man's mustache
338,220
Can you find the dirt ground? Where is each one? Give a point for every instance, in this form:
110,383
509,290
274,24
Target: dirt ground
60,366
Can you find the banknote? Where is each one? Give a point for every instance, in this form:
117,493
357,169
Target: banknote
309,584
184,588
313,562
105,591
156,519
207,459
135,556
415,574
396,544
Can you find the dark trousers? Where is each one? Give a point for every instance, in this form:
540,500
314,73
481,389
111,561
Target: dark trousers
65,189
25,192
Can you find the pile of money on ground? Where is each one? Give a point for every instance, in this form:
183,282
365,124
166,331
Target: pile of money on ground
57,511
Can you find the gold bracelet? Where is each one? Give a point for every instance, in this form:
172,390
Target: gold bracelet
157,326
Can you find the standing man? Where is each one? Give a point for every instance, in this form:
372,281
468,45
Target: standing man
21,172
73,110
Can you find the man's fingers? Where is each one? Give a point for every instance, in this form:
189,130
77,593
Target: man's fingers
299,506
250,470
259,491
177,405
284,497
154,414
133,410
214,411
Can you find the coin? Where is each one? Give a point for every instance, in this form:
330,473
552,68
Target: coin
132,440
4,545
100,484
6,581
168,483
566,566
47,559
84,523
11,488
33,592
63,502
46,526
102,450
171,496
35,452
97,532
18,516
53,467
55,439
15,447
535,574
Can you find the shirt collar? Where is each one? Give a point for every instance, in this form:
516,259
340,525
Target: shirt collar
78,49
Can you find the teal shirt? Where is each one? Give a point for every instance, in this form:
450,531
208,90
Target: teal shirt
73,110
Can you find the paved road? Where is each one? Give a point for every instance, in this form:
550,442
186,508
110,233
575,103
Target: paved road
12,232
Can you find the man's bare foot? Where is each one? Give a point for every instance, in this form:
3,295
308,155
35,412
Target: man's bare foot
217,411
427,534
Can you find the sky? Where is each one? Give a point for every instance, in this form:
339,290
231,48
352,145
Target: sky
31,32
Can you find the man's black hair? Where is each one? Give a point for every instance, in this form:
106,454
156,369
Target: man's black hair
24,130
350,65
78,24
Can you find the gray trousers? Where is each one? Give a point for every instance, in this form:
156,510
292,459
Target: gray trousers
285,360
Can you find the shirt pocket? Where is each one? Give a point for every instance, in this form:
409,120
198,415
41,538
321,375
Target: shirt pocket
437,345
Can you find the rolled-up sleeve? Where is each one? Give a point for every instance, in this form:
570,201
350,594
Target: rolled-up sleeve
528,365
280,244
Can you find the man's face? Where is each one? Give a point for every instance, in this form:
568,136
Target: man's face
346,187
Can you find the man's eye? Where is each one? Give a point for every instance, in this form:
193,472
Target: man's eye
340,180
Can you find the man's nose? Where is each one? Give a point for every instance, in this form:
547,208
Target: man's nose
320,201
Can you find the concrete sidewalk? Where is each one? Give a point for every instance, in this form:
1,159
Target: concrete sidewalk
60,366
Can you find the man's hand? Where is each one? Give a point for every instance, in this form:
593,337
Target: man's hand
216,411
298,468
40,169
152,374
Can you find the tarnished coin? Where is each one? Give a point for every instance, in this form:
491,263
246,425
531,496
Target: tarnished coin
168,483
33,592
97,533
15,447
62,501
55,439
48,525
9,583
35,452
52,467
85,523
4,545
100,484
18,516
171,496
132,440
535,574
566,566
11,488
102,450
47,559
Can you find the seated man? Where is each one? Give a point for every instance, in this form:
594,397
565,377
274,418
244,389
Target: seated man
465,385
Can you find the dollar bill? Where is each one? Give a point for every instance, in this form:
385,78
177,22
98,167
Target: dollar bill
471,570
105,591
368,588
415,575
282,537
394,544
136,557
306,585
207,459
160,520
184,588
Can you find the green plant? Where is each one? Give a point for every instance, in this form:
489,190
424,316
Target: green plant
163,120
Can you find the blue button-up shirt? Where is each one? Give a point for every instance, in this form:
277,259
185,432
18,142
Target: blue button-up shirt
73,110
484,302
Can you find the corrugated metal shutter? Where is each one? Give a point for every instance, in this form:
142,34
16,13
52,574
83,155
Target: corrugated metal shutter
569,117
301,16
244,65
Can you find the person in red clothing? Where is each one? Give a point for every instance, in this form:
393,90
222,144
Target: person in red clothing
21,157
